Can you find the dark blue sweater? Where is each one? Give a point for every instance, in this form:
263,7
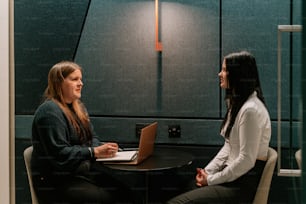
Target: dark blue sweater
57,148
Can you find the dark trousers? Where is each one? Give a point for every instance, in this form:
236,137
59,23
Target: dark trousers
93,187
242,190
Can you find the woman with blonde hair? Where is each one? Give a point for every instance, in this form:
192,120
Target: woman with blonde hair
65,145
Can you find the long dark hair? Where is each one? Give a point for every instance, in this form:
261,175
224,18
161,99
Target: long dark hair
243,80
76,112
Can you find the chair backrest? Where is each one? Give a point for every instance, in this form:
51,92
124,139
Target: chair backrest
298,157
27,154
262,193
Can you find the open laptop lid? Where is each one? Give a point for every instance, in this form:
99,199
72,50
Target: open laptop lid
146,142
145,147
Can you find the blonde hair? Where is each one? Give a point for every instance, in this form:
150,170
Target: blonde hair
77,116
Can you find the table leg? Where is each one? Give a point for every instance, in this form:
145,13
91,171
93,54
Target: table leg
146,188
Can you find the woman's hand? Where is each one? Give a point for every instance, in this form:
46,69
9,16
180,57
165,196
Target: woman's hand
201,177
106,150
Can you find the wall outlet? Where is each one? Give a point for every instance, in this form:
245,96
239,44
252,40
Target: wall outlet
138,128
174,131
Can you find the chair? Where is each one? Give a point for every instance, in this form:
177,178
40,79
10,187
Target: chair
262,193
27,154
298,157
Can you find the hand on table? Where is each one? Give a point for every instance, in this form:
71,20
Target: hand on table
106,150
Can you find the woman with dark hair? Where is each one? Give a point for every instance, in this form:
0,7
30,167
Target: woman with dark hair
232,176
65,145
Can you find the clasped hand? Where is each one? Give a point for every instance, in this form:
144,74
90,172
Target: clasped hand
106,150
201,177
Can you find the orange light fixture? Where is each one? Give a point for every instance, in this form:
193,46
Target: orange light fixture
158,44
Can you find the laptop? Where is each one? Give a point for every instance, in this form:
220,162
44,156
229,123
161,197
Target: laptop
144,150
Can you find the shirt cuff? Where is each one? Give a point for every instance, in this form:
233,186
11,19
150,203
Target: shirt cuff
92,152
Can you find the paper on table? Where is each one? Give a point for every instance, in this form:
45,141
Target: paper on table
121,156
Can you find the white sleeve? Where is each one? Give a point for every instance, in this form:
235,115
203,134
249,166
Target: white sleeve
249,139
218,162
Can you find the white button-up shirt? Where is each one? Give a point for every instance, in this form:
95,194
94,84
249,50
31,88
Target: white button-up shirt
249,139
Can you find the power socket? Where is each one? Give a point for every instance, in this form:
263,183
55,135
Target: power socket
174,131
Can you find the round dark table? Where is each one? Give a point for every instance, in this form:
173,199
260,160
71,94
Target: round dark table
163,159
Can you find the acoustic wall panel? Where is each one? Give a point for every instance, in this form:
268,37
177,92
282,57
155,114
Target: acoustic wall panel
45,32
252,25
125,74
